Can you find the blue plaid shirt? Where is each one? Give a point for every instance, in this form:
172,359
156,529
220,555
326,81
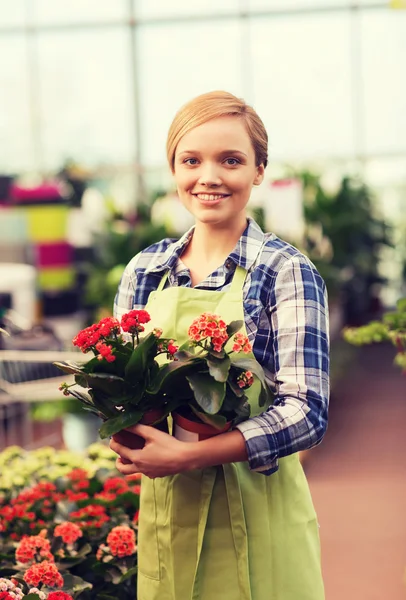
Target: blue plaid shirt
286,315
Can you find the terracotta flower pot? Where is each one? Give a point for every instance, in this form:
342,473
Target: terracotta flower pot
188,429
136,442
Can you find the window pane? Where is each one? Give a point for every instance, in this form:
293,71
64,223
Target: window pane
12,13
301,84
77,11
177,63
162,8
86,110
16,152
384,60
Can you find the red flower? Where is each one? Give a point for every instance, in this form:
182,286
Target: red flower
59,596
6,596
33,547
241,343
105,351
117,485
209,327
121,541
44,572
133,321
69,532
245,380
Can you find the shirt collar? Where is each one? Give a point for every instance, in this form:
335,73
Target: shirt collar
244,254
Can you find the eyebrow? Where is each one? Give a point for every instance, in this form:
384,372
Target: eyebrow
222,153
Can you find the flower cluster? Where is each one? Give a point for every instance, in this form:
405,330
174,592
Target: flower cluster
133,321
241,343
45,573
88,339
211,328
245,380
95,501
34,548
9,589
69,532
126,366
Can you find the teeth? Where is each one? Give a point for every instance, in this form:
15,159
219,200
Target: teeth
210,197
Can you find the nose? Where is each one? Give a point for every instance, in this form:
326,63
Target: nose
209,175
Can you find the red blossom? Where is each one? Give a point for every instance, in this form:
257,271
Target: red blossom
209,327
245,380
34,547
59,596
69,532
77,474
105,351
117,485
133,321
6,596
46,573
121,541
241,343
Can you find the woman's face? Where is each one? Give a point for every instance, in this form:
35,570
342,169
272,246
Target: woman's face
215,170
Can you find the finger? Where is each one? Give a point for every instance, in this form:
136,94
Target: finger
124,452
134,477
145,431
126,469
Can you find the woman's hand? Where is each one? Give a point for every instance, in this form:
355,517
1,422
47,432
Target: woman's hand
161,455
165,455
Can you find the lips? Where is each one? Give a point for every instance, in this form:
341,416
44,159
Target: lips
210,197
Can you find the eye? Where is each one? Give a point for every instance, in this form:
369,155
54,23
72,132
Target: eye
190,161
232,161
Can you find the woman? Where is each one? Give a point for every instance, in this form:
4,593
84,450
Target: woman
231,517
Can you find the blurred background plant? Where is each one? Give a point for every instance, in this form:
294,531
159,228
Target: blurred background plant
391,328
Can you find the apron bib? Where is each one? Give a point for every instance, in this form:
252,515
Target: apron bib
225,532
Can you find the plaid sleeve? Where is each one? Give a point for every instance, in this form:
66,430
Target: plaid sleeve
298,313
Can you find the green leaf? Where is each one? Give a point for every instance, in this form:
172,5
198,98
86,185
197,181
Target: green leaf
233,327
164,380
142,354
217,421
110,384
209,393
84,398
116,424
130,573
31,597
69,367
219,368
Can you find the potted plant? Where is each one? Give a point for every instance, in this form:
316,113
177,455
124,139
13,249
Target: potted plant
210,375
120,378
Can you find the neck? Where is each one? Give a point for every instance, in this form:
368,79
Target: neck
214,244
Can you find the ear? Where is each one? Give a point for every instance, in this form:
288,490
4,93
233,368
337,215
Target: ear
259,177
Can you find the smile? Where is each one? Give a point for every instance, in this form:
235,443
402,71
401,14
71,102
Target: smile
211,197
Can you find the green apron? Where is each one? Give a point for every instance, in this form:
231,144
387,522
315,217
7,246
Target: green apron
225,532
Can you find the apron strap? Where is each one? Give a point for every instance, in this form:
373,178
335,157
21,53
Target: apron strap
238,279
164,279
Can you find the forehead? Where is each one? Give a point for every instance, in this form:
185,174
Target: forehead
216,135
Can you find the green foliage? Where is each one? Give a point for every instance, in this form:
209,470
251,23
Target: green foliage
391,328
121,240
348,221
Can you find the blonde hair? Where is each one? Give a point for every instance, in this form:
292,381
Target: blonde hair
213,105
